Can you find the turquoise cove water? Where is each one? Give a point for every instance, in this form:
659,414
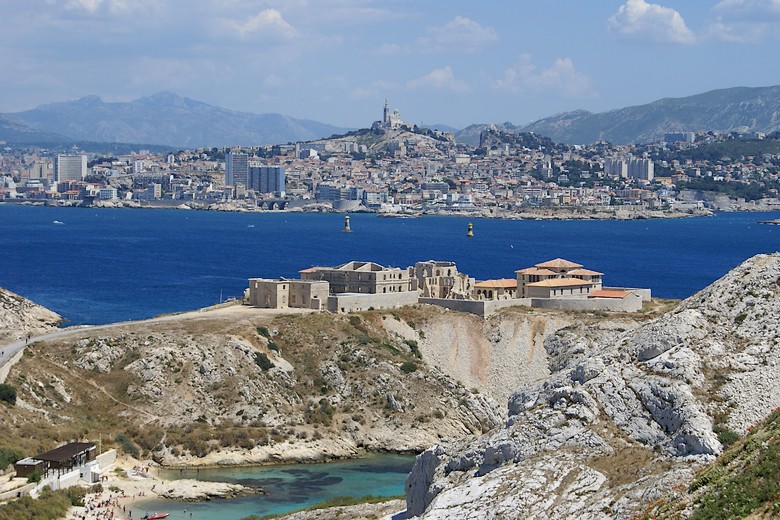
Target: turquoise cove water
288,487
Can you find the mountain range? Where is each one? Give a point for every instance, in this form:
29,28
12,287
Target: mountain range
170,120
739,109
163,119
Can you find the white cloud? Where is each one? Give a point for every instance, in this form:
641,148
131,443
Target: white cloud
111,7
389,49
375,90
268,22
751,10
639,20
273,81
744,21
459,34
560,77
442,78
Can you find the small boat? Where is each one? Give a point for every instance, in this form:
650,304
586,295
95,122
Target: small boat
155,516
57,222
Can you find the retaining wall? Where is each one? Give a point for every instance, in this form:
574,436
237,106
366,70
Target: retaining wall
351,302
631,303
478,307
18,492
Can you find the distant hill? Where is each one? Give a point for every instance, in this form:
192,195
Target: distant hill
167,119
440,127
470,134
741,109
15,132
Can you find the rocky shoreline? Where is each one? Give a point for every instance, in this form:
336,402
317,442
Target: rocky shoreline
601,213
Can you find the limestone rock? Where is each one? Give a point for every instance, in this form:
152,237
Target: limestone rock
20,316
621,416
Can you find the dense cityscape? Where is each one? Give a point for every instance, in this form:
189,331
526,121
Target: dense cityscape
395,167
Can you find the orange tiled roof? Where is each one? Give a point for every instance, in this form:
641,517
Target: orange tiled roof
537,271
558,263
609,293
560,282
585,272
505,283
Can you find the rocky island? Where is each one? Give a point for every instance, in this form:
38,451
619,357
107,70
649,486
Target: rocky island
606,414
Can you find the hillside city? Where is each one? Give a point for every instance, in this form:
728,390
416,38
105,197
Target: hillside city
396,167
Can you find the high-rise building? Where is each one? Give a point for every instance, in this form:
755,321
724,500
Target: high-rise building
641,169
680,137
70,168
237,169
267,179
40,169
617,167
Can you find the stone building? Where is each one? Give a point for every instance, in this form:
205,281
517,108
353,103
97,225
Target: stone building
362,277
441,279
282,293
557,278
501,289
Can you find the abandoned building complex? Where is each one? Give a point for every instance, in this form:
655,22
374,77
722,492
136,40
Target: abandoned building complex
358,286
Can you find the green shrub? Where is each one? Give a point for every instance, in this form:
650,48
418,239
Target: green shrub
51,505
8,394
261,358
34,477
408,367
9,456
413,347
127,445
725,436
273,346
263,331
322,414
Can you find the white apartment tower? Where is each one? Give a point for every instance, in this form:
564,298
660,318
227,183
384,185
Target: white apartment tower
641,169
70,168
237,169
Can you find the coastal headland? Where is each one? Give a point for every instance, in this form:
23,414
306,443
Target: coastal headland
629,405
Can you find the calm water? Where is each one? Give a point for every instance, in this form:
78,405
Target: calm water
288,487
104,265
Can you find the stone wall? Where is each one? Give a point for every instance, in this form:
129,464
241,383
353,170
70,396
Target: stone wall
631,303
478,307
17,492
351,302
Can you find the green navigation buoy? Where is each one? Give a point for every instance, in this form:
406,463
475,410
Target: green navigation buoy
346,225
470,232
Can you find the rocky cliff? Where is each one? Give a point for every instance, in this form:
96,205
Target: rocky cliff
623,416
240,385
19,316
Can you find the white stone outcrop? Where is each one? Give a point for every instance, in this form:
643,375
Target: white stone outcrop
20,316
643,403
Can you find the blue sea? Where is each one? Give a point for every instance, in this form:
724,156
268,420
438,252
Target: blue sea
103,265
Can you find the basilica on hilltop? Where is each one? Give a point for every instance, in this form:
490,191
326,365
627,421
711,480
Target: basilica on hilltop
390,120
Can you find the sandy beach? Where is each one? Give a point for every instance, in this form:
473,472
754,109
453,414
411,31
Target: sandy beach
138,480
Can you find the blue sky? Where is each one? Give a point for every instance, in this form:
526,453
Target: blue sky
449,61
